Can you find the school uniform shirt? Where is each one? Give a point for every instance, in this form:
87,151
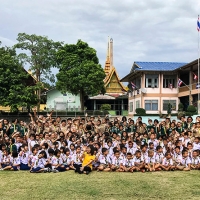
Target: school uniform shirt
196,146
195,161
24,158
123,156
1,156
144,155
117,161
132,150
155,142
185,141
166,162
128,163
40,162
185,161
150,160
72,152
57,160
33,158
75,159
18,144
138,160
15,161
6,159
159,157
177,157
104,159
67,159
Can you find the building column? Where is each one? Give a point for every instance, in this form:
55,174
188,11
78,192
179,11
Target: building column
190,86
95,106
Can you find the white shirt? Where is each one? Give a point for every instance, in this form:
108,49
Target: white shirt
117,161
166,162
195,161
25,157
128,163
75,158
159,157
185,161
138,160
104,159
150,160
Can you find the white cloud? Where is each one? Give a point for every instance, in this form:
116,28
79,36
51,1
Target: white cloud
145,30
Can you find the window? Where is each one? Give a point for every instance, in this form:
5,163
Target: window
166,102
151,104
151,81
167,80
138,104
131,106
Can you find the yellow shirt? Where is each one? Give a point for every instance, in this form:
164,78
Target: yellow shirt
87,159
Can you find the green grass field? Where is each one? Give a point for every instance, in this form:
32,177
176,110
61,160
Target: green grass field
100,185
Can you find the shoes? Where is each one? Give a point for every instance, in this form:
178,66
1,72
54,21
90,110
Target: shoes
87,172
55,171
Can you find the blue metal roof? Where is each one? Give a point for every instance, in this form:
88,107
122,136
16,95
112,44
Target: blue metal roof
156,66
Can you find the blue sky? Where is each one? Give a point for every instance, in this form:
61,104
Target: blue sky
145,30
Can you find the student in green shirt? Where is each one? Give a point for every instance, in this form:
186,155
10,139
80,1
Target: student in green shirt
22,128
14,127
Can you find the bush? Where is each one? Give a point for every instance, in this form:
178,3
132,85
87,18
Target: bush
188,114
191,109
140,111
105,107
180,107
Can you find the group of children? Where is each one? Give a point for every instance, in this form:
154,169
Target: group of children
86,144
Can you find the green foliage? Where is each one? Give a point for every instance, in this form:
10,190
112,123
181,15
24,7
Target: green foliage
14,90
105,107
40,54
180,107
189,114
80,71
191,109
140,111
169,109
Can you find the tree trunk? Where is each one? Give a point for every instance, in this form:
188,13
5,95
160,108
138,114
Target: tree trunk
82,100
38,91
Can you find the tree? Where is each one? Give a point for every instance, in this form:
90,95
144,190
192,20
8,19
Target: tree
169,109
14,89
80,71
40,54
105,107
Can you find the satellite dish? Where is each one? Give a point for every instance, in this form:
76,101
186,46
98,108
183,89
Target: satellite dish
143,90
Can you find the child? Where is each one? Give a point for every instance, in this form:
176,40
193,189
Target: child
104,161
167,163
195,162
76,159
177,157
57,162
24,157
39,163
159,158
117,162
139,162
14,162
67,159
6,159
150,163
129,163
185,162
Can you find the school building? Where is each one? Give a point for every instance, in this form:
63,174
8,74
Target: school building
153,85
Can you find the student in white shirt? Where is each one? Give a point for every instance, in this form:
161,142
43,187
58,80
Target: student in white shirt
185,163
58,162
159,158
24,157
150,162
167,163
39,163
104,161
139,161
129,163
195,161
117,162
14,163
76,160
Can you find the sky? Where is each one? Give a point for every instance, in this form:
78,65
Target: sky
142,30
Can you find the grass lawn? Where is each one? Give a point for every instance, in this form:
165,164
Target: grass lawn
100,185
